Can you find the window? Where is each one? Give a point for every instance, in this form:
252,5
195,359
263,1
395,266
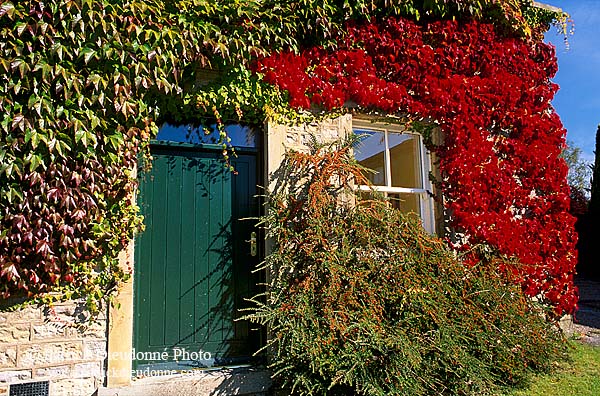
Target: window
401,166
239,135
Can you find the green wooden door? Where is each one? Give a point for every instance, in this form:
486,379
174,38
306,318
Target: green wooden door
193,261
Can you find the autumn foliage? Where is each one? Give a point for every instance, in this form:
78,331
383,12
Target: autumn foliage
503,180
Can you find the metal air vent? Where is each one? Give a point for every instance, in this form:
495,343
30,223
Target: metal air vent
40,388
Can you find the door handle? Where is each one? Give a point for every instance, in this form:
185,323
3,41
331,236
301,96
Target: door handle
252,241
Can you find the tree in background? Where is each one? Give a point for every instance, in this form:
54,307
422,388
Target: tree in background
584,180
579,181
594,206
580,171
590,250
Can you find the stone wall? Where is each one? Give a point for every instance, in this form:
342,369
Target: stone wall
57,344
280,138
298,136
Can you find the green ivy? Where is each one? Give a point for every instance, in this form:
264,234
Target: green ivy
77,87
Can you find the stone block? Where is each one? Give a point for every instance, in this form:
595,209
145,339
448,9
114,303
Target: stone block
49,330
14,333
329,133
567,325
8,356
86,370
73,387
49,353
52,372
291,139
66,314
14,375
94,329
94,350
69,309
72,313
21,315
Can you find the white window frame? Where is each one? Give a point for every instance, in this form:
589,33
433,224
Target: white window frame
424,194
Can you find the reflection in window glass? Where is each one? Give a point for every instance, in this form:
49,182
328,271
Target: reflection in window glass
405,202
370,153
405,160
241,136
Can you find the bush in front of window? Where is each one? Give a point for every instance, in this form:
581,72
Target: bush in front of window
363,301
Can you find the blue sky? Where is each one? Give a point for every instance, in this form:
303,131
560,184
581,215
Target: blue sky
578,100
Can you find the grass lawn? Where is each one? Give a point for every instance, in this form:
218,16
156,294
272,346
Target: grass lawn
580,377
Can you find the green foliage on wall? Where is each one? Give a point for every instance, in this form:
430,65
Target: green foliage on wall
78,85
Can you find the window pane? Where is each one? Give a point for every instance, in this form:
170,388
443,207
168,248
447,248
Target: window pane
241,136
405,202
405,155
370,153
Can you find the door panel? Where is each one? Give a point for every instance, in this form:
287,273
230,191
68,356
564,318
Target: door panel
193,264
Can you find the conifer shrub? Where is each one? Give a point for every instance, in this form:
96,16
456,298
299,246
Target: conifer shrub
362,300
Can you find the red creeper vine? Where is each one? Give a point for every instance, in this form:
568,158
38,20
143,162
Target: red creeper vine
503,180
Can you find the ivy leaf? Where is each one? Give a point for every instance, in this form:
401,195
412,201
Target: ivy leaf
35,103
18,121
7,8
9,270
32,99
115,140
12,194
5,64
87,53
32,136
35,162
81,136
94,79
46,69
16,64
60,146
20,27
6,169
58,49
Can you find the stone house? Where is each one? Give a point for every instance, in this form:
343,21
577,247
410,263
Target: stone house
175,326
